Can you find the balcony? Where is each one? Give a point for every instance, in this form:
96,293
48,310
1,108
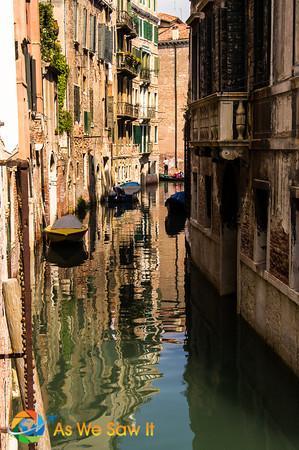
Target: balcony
145,75
125,21
147,148
127,111
125,150
220,120
127,63
148,113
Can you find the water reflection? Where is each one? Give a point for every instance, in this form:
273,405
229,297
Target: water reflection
239,393
114,342
99,326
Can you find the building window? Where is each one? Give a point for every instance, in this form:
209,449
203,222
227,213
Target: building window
194,195
294,273
91,104
92,33
194,64
75,24
84,35
87,122
76,104
85,170
208,200
261,203
156,135
262,42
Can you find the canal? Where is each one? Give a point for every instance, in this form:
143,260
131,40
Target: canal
135,335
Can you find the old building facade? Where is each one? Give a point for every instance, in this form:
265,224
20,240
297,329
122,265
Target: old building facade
136,155
86,38
244,160
173,88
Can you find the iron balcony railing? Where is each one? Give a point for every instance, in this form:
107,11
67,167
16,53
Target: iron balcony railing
124,149
125,20
145,74
146,148
148,113
128,63
127,110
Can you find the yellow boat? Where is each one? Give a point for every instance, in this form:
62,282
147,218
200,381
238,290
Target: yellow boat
67,228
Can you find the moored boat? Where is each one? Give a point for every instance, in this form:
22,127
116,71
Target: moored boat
67,228
176,203
175,178
125,193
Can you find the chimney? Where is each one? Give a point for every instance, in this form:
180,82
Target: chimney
175,33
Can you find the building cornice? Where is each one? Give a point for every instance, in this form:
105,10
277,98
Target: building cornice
196,15
141,12
174,43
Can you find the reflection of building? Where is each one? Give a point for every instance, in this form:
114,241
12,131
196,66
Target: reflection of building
173,88
244,130
136,155
98,341
172,307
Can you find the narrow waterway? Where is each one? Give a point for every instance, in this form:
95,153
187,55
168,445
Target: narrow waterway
135,334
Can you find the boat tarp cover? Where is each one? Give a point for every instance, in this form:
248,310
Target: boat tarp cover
68,221
130,188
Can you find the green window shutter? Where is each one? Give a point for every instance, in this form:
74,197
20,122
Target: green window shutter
86,122
150,32
137,134
156,36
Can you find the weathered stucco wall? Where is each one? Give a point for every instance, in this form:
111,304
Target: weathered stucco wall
272,313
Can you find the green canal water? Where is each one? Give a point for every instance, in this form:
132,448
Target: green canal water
135,335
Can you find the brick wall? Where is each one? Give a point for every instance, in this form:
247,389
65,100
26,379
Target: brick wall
167,101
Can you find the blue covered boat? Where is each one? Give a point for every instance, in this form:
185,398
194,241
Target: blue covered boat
125,193
176,203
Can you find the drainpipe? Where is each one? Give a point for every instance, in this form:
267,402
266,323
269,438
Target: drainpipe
175,108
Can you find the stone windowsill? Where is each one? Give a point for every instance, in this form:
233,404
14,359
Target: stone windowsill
267,276
206,231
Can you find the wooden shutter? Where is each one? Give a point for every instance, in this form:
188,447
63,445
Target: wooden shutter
76,103
86,122
150,32
101,41
84,36
137,134
92,33
108,44
156,37
33,84
75,23
91,104
110,117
